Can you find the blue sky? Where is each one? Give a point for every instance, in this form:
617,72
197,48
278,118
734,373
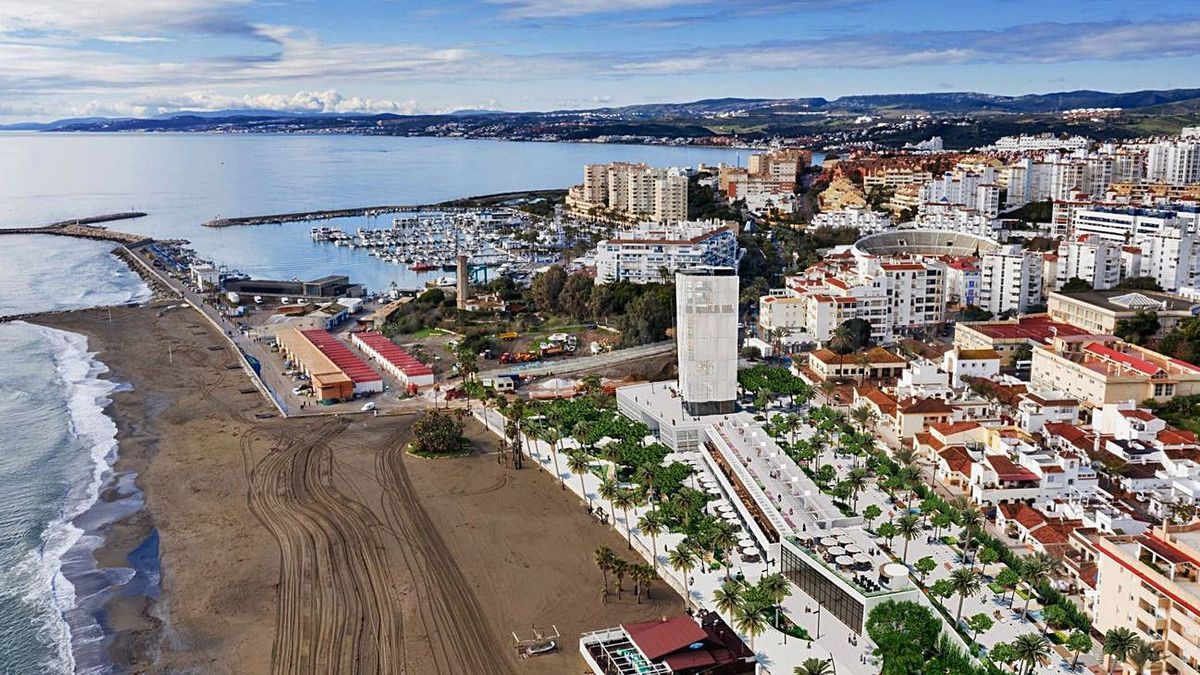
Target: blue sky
62,58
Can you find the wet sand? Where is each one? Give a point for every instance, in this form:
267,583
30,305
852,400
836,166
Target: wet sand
318,545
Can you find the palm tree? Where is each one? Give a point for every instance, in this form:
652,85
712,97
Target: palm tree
620,569
1031,650
652,523
641,575
814,666
863,361
578,463
751,619
828,388
775,587
1118,644
552,436
609,490
604,558
908,526
728,596
648,576
467,367
683,559
971,521
966,582
1035,569
624,500
857,480
1142,653
724,538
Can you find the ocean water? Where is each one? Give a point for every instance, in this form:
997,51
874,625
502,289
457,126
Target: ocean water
183,180
58,449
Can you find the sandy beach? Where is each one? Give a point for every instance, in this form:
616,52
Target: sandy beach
318,545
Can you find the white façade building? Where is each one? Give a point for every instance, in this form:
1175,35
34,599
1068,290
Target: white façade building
706,304
642,254
1011,280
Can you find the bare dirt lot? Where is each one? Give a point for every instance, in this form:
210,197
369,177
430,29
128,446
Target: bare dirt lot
318,545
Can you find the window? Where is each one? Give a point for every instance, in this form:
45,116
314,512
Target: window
827,594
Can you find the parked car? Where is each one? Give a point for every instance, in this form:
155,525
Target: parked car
368,406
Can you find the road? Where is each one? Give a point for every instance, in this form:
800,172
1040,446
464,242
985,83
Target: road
583,363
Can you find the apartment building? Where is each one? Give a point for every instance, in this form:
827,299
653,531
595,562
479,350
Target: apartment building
1099,369
1150,583
1175,162
1007,337
654,252
1011,280
1100,311
893,178
1040,142
861,218
626,191
1091,258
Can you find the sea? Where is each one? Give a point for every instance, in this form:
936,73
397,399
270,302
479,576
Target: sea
58,449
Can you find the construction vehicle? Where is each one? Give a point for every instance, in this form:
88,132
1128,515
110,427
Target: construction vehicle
509,336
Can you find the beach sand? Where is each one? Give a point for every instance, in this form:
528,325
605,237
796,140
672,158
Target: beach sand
318,545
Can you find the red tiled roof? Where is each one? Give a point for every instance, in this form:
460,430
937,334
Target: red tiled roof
1138,414
952,428
658,638
925,406
1049,535
957,460
346,361
1173,436
1007,470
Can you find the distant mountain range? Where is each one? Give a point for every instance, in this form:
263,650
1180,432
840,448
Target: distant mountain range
820,121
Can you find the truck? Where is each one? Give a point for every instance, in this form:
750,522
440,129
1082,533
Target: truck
552,349
509,336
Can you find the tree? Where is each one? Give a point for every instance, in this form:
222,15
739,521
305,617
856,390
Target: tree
547,287
814,666
904,633
1075,285
940,520
1078,641
966,582
728,596
1138,329
925,565
1143,653
908,526
577,296
465,360
986,557
1002,653
871,513
552,436
857,480
625,499
1118,644
1009,579
1055,616
578,463
1023,352
620,568
887,531
438,433
1031,650
609,489
1035,568
751,618
1139,284
683,559
724,538
850,336
942,588
647,318
979,623
652,523
973,313
605,558
1182,342
642,575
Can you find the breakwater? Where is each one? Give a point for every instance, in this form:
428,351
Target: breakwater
86,228
464,203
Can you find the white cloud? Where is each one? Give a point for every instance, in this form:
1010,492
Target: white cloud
554,9
329,101
132,39
90,17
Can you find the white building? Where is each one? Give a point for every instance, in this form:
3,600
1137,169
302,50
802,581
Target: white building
1091,258
1011,280
861,218
1025,143
1174,162
706,301
631,191
652,252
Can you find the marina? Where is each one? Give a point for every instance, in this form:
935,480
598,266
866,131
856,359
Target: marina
495,240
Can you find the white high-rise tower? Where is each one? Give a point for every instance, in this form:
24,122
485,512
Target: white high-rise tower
706,306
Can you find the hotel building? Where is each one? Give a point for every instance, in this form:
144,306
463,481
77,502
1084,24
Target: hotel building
643,253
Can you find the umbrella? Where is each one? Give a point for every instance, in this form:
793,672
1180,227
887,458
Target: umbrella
835,551
853,549
862,558
844,561
829,541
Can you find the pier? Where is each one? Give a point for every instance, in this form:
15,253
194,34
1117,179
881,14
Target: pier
86,228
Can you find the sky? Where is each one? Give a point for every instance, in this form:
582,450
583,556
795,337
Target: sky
72,58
